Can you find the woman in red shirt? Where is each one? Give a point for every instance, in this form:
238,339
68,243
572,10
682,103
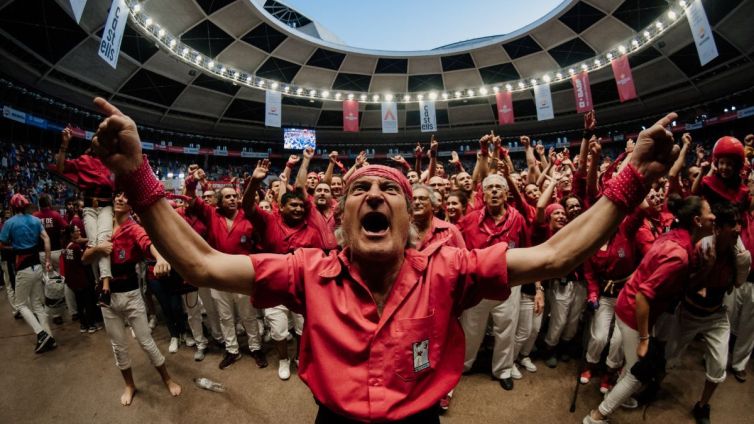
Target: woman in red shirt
79,279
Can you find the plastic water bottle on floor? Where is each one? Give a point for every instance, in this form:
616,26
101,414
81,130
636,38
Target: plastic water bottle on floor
206,383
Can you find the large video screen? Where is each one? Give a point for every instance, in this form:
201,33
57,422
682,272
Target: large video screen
299,138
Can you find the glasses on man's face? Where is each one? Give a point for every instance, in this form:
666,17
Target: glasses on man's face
421,198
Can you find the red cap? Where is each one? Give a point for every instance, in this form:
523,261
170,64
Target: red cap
729,146
19,201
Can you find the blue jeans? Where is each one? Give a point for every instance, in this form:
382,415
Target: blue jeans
171,306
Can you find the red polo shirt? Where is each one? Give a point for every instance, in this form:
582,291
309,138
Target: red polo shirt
659,277
234,240
89,173
651,228
130,244
442,232
278,237
480,230
617,261
54,225
375,367
72,268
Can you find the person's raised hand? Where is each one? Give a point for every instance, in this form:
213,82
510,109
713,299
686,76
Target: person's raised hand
293,159
66,135
161,268
361,158
595,148
454,159
260,172
418,150
398,158
333,156
749,140
686,139
193,167
655,149
590,121
308,153
200,175
540,149
116,141
525,141
433,146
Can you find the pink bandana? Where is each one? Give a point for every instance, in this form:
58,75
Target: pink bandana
381,171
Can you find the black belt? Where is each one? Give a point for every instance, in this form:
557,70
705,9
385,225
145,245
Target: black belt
327,416
124,278
700,312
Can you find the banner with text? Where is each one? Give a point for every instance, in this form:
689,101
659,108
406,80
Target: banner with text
543,99
78,9
389,117
700,29
582,91
351,116
109,47
273,108
427,116
624,78
504,100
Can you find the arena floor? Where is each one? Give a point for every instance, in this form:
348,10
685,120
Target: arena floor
78,383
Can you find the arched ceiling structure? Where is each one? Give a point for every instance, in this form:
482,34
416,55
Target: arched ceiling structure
43,47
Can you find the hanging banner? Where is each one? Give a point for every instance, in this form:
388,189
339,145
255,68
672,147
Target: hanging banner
109,47
543,99
350,116
427,116
504,101
582,91
700,29
389,117
78,8
624,78
273,108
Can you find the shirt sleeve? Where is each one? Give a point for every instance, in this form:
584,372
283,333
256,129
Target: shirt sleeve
666,267
278,281
5,234
592,285
484,275
644,239
142,240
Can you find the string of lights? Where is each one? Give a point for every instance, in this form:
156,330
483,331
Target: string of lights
172,44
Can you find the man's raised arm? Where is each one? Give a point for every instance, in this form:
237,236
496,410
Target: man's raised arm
117,143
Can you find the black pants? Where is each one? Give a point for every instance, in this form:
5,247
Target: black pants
172,307
86,306
327,416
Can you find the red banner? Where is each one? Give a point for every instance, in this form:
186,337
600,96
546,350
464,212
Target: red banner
351,116
582,91
624,79
504,107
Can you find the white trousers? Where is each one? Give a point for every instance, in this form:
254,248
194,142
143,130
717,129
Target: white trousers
599,331
129,308
226,302
716,331
504,323
567,302
30,298
279,322
528,327
628,384
9,287
741,314
98,223
70,297
213,319
192,305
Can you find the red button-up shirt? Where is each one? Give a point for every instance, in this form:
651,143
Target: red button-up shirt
442,232
130,244
375,367
615,262
480,230
659,277
278,237
234,240
89,173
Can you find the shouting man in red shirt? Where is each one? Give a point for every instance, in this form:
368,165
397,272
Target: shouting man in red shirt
381,317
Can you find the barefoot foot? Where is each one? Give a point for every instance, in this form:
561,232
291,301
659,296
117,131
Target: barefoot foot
128,395
173,387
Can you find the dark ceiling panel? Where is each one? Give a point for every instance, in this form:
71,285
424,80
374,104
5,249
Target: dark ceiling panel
643,56
326,59
391,66
521,47
425,82
353,82
581,16
302,101
245,109
499,73
153,87
525,107
571,52
216,84
264,37
136,46
212,6
638,14
456,62
330,118
43,27
716,10
605,92
687,59
278,70
207,38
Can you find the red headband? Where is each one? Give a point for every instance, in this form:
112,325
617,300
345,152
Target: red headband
18,201
381,171
551,208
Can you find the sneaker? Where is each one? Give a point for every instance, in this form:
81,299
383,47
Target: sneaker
740,375
199,355
284,369
152,322
99,325
630,403
17,315
506,383
74,317
189,340
585,376
528,364
552,361
515,373
259,358
229,359
83,329
589,420
92,330
701,413
44,342
445,403
173,348
605,384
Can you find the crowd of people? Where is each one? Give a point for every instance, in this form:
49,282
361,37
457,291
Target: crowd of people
642,251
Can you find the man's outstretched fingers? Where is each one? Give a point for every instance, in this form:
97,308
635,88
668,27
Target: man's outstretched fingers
106,107
667,120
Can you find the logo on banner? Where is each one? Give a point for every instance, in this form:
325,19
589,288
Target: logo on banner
389,117
428,116
421,355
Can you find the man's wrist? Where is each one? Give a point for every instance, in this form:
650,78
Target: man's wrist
628,189
141,186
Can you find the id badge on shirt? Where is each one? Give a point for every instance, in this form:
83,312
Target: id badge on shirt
421,355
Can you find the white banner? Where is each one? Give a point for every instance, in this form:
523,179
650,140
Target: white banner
109,47
273,108
78,8
389,117
427,116
543,99
700,29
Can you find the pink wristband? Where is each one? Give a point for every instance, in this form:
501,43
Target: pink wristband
142,187
628,189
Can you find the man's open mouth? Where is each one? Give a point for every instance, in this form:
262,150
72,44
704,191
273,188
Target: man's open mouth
375,223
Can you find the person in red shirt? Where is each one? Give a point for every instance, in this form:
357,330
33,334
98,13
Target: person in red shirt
79,279
55,226
326,206
229,231
432,229
656,221
656,282
388,345
130,245
456,207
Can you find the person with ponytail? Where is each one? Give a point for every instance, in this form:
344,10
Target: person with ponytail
656,282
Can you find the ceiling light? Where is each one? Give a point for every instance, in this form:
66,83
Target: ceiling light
458,94
470,92
546,78
299,90
658,25
406,98
508,87
185,50
635,43
363,97
597,62
672,15
312,93
198,59
445,96
261,82
350,96
682,3
584,66
222,70
274,85
376,98
533,81
571,71
433,96
496,89
420,96
337,96
148,22
211,64
161,33
287,89
137,8
248,80
389,97
325,94
559,76
609,56
622,49
483,91
173,43
521,84
647,34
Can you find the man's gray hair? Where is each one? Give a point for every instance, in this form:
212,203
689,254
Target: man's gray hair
435,202
494,178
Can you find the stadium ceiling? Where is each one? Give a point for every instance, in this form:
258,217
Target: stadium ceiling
45,49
